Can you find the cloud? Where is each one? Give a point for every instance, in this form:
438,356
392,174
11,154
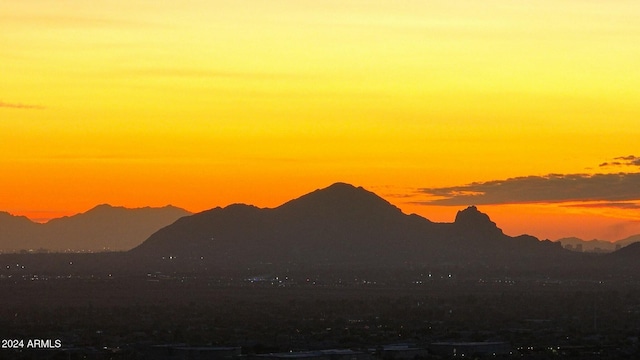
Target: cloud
630,160
630,157
20,106
540,189
615,205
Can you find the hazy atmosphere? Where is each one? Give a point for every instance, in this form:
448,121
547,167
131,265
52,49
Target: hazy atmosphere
320,180
527,109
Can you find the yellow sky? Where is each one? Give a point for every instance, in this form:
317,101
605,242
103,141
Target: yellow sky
206,103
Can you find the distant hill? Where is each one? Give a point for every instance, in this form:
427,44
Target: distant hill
625,258
102,228
340,229
595,245
338,225
18,232
631,250
628,241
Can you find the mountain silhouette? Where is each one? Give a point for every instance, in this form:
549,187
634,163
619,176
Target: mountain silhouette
473,225
593,245
104,227
596,245
625,258
336,224
339,200
340,224
628,240
18,232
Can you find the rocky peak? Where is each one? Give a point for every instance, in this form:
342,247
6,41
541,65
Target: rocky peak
473,219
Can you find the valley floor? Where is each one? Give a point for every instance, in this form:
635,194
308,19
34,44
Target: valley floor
125,315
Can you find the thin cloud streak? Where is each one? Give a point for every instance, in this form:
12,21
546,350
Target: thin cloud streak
20,106
609,205
551,188
630,160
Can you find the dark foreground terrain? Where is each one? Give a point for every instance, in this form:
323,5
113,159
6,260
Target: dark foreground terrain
123,316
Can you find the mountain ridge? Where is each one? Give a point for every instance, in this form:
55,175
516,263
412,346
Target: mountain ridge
597,245
339,229
103,227
339,224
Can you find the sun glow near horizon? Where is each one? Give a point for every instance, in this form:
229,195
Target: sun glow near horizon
201,104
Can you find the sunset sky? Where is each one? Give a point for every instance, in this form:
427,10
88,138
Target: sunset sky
528,109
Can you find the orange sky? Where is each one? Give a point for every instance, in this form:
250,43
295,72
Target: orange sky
205,103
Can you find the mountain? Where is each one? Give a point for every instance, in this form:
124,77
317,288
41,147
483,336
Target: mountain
628,241
595,245
104,227
625,258
337,225
18,232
